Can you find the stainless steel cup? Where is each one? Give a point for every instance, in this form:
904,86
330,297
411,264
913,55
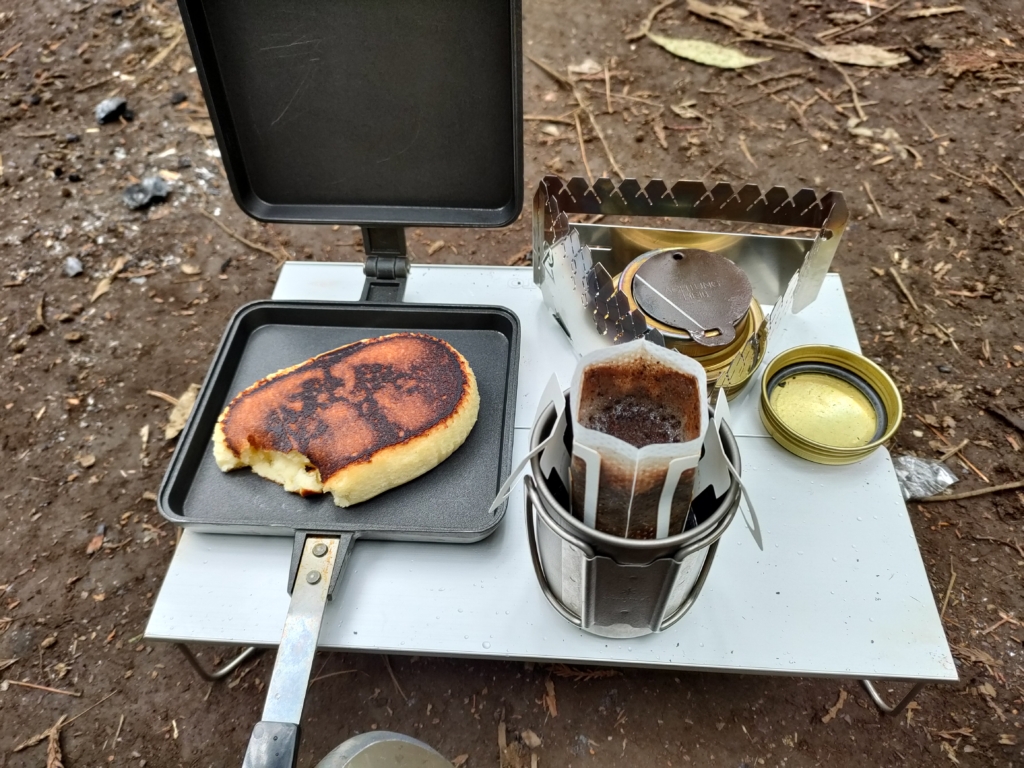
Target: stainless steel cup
612,586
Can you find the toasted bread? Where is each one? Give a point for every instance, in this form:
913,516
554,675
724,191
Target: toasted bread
355,421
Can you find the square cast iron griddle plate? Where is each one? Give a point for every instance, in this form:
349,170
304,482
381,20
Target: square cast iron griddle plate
403,112
448,503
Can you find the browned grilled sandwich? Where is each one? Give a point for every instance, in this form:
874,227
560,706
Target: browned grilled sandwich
355,421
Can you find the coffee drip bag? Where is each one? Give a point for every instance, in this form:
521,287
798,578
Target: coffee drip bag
639,413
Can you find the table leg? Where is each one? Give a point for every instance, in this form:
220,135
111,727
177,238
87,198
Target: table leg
224,671
884,708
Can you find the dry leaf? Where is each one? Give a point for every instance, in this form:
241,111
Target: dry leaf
834,709
587,67
203,128
950,751
659,131
975,656
119,264
460,760
180,412
101,287
435,246
703,52
1007,739
956,63
581,675
730,16
96,542
858,54
530,739
987,689
924,13
550,703
55,728
54,758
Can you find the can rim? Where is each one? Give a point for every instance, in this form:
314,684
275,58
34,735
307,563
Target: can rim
831,357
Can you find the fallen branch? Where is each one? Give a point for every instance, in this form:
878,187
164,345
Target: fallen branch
978,492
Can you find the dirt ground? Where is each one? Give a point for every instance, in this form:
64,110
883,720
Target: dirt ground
934,177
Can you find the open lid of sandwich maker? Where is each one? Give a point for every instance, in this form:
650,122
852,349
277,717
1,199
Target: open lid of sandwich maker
383,113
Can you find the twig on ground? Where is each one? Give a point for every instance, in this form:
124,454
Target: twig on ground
255,246
551,72
583,149
871,197
949,589
645,25
608,89
1011,544
387,663
76,694
853,90
597,130
1010,179
547,119
163,396
978,492
903,288
955,449
869,20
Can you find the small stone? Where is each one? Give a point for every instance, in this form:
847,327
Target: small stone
64,317
530,739
178,97
945,368
151,190
76,308
34,99
66,192
184,162
74,178
73,337
73,266
109,110
72,138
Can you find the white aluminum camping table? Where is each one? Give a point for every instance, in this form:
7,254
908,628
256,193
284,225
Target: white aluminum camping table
839,589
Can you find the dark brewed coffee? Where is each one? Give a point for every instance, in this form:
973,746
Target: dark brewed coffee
641,402
637,421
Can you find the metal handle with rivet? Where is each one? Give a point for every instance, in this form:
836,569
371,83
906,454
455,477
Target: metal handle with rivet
274,740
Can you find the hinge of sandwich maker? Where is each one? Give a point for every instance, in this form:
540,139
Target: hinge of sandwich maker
386,265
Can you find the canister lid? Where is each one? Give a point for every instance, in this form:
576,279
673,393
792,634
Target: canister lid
828,405
700,292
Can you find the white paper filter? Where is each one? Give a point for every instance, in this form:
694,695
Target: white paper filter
624,490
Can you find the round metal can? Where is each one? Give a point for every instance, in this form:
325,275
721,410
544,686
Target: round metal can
612,586
829,405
